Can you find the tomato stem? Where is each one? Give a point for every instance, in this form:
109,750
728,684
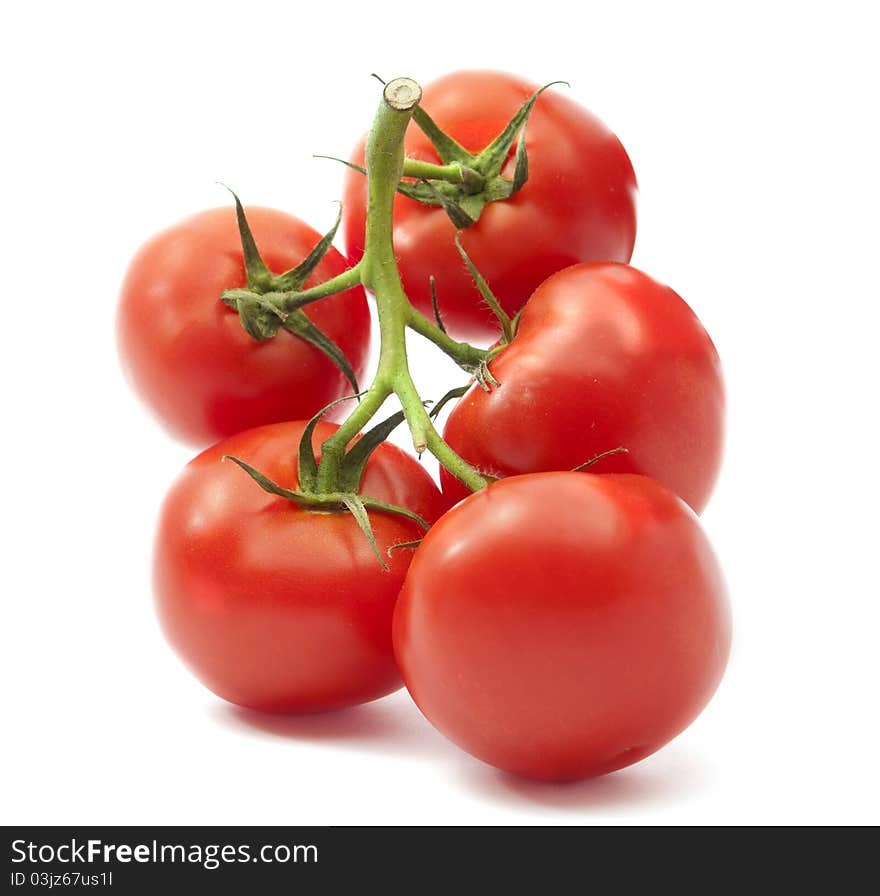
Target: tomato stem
454,173
333,449
294,300
464,354
378,272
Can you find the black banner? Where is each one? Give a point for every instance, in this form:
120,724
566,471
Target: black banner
133,860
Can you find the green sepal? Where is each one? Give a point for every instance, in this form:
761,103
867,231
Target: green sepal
599,457
259,277
375,504
412,189
514,323
403,544
496,190
449,149
307,463
232,297
451,395
485,377
483,373
357,505
352,467
296,277
491,160
455,210
259,317
357,509
470,208
434,304
408,188
521,168
266,484
351,165
463,211
426,193
298,323
487,294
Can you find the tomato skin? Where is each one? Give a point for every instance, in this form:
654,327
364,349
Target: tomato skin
604,357
578,204
273,607
186,353
563,625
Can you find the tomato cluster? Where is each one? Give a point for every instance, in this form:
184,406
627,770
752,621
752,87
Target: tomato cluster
564,620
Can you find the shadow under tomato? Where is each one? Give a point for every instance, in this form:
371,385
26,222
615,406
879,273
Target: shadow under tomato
393,725
667,778
390,725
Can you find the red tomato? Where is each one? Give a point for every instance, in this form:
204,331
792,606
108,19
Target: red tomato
577,205
185,351
604,357
563,625
278,608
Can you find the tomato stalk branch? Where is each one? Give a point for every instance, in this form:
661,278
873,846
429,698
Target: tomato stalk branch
379,273
282,303
292,301
454,173
465,355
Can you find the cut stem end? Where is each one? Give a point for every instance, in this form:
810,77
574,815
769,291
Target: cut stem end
402,94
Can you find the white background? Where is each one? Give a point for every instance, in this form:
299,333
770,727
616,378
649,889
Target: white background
753,133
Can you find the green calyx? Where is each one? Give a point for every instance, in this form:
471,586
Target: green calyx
333,502
346,498
466,182
260,305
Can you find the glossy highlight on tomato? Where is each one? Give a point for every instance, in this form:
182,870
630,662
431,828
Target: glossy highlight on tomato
563,625
577,205
186,353
604,357
278,608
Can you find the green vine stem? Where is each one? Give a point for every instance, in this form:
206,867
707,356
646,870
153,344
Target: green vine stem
379,273
346,280
430,171
465,355
454,173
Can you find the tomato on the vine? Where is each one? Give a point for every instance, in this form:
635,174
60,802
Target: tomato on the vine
563,625
578,203
275,607
604,357
186,352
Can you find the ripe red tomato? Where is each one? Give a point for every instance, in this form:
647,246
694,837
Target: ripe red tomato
186,352
278,608
604,357
563,625
577,205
